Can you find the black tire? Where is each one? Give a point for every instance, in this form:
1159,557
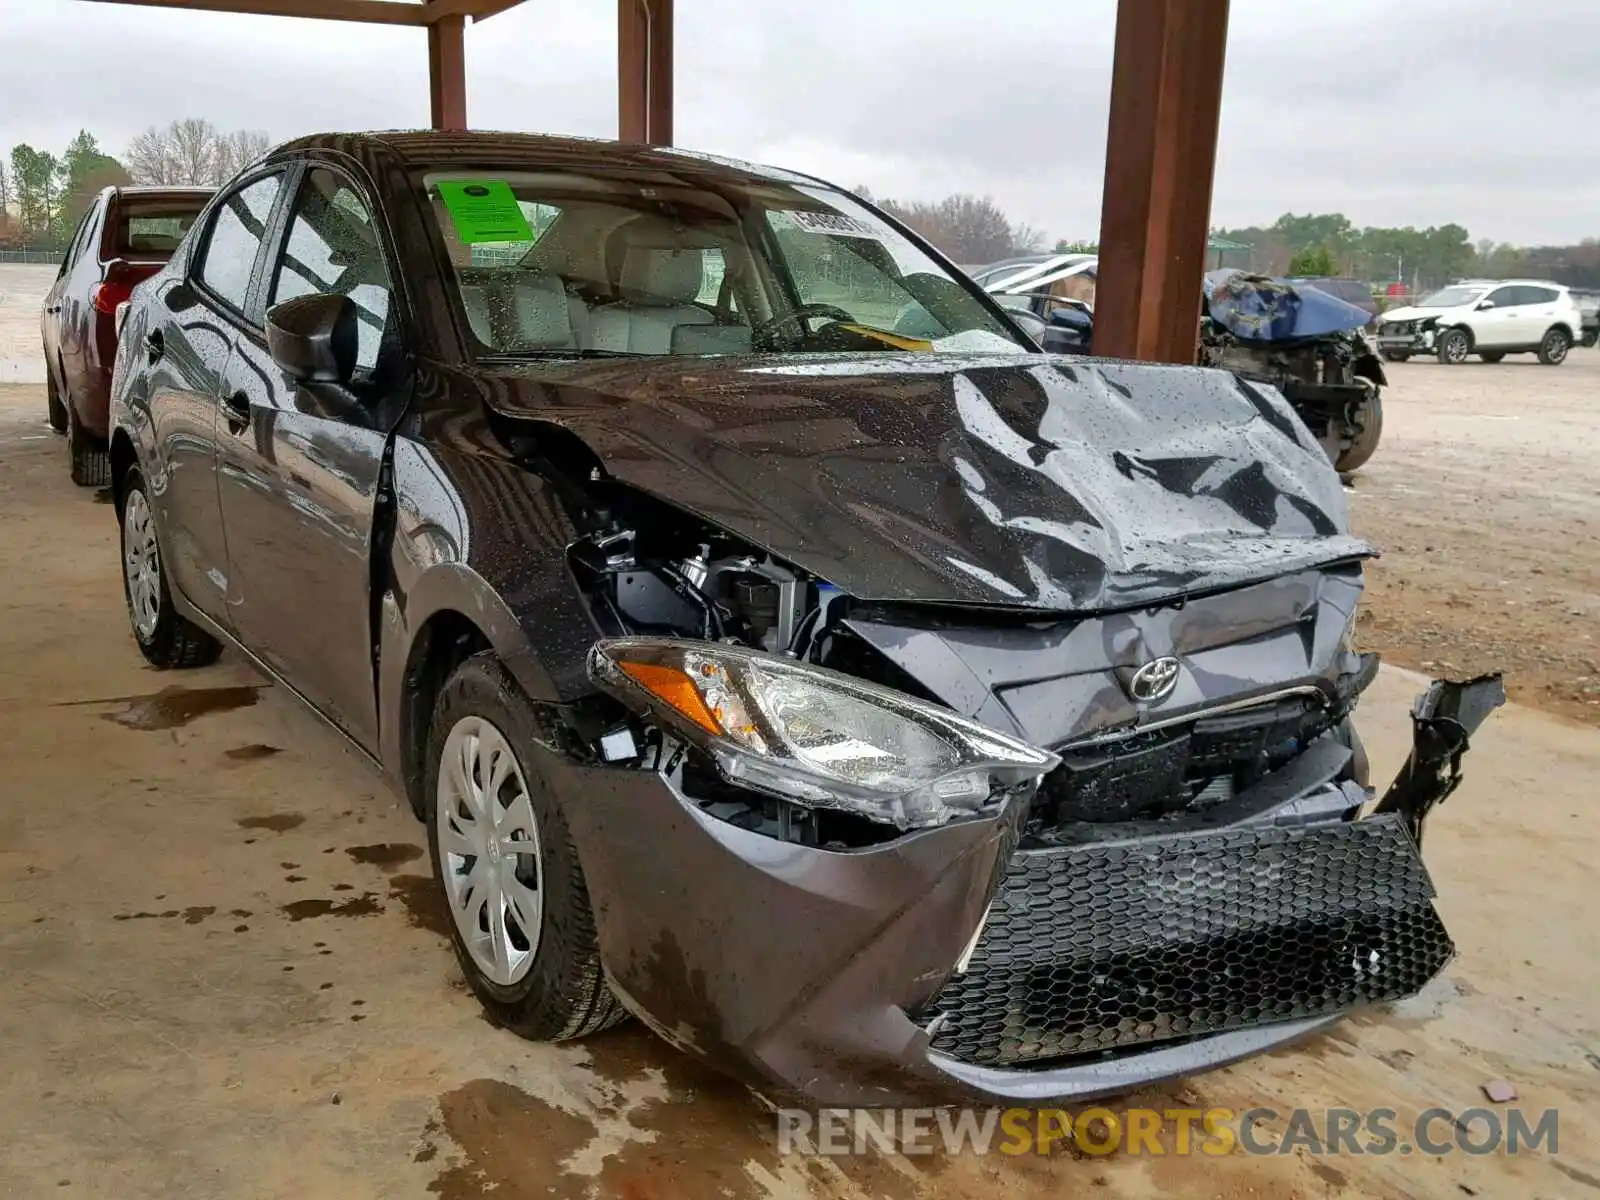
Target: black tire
1492,356
564,993
1453,347
91,459
1553,349
1395,355
1366,442
172,642
55,410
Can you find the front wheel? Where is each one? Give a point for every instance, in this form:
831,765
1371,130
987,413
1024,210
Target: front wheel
1453,347
1370,418
521,924
165,639
1553,350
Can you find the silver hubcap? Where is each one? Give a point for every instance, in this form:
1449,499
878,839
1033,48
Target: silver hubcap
1555,347
141,564
489,850
1455,348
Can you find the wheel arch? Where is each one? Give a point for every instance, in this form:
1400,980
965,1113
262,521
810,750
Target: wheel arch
449,614
123,458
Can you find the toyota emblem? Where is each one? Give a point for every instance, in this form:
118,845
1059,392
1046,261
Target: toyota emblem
1154,681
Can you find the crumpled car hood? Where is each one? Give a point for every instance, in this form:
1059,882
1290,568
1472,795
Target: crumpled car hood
1413,313
1027,481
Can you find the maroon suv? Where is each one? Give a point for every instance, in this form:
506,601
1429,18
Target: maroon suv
127,235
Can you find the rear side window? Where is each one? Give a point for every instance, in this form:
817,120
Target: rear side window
1538,295
237,231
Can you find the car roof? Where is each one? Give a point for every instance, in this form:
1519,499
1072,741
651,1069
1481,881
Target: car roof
429,147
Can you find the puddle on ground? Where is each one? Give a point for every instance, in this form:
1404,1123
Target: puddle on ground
705,1136
172,707
385,854
423,902
364,905
191,916
277,822
252,752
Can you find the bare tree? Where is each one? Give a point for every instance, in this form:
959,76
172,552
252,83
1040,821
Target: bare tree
150,159
193,151
237,150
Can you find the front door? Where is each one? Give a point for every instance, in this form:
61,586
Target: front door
1497,326
189,342
298,482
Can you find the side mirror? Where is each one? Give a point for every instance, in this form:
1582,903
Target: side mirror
1486,304
314,338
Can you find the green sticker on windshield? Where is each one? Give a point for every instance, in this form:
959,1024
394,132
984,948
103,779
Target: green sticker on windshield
484,210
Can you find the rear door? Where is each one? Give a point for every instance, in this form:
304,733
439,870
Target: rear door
200,317
298,481
1538,311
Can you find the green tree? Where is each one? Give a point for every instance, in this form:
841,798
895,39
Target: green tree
34,180
85,169
1313,260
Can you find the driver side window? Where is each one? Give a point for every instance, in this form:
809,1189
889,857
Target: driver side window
333,247
1502,297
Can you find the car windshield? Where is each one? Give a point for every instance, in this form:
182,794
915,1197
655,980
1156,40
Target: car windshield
1453,297
551,264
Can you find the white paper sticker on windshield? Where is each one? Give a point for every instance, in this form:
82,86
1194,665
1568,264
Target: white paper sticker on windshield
837,224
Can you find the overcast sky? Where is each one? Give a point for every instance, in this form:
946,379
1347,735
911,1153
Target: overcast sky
1485,112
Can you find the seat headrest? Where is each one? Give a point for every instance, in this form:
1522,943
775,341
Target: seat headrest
673,274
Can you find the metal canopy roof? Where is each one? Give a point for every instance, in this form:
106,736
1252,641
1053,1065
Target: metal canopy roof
1166,102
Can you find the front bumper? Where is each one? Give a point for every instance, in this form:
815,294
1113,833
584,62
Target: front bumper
1420,342
949,966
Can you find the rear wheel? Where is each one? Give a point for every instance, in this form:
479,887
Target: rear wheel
1454,347
521,924
165,638
1492,356
91,460
1553,350
57,411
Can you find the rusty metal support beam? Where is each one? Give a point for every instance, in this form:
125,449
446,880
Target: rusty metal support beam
1161,148
644,71
447,72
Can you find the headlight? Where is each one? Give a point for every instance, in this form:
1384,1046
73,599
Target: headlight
815,736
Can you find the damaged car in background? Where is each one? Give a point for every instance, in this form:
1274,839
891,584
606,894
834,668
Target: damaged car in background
777,646
1297,337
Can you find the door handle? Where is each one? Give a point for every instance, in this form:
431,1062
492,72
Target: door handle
236,411
154,346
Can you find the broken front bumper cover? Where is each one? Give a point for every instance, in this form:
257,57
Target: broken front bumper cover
949,966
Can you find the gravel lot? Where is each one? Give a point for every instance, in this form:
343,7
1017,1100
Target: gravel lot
1485,500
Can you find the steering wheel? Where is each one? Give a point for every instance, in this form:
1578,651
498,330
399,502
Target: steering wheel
763,332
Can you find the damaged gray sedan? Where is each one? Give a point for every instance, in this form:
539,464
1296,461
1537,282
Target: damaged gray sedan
776,646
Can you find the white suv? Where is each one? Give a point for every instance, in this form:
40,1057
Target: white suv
1487,317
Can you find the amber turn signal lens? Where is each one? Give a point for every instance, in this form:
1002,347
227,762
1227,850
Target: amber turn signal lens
673,687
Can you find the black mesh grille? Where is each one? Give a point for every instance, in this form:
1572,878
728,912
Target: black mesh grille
1103,947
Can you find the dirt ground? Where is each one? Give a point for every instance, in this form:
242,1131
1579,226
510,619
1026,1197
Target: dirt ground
1485,499
222,971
